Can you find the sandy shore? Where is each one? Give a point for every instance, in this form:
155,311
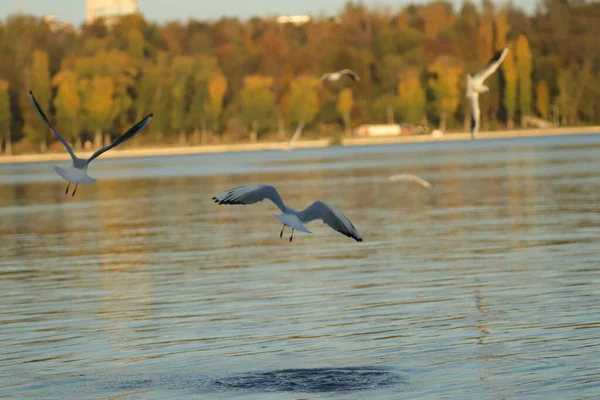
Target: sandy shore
170,151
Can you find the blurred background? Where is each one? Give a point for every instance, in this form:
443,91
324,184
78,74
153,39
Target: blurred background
100,65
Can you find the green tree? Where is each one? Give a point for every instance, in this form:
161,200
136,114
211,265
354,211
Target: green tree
67,104
303,100
181,70
509,68
524,67
258,103
411,96
542,98
446,73
5,115
344,107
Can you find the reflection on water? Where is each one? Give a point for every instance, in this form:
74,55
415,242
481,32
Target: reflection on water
141,286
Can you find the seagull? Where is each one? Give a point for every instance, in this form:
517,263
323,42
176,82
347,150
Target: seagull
77,172
335,76
294,219
295,136
475,86
408,177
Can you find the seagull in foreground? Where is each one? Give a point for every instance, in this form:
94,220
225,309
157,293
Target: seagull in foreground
294,219
408,177
475,86
295,137
335,76
77,172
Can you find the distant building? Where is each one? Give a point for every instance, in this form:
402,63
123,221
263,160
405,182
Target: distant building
293,19
109,9
379,130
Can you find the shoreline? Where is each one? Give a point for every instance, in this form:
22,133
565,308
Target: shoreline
304,144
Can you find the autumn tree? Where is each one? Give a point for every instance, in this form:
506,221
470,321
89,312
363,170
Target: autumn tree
5,116
542,98
303,100
200,113
67,104
98,103
217,87
446,74
524,67
344,107
411,96
258,103
509,69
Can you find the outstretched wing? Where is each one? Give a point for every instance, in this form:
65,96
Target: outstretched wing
250,194
475,113
330,216
351,74
492,65
134,130
37,107
409,177
324,77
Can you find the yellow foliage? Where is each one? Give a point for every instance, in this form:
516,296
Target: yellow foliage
411,96
437,17
217,86
253,82
542,96
502,29
445,84
345,101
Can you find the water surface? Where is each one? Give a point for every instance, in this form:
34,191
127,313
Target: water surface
486,285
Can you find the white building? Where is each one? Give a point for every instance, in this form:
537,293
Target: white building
109,9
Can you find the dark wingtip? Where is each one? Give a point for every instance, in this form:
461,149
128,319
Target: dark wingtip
31,93
151,115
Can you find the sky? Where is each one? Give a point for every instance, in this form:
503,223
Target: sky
73,11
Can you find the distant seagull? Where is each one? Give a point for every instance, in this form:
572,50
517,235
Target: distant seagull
407,177
77,172
335,76
294,219
475,86
295,137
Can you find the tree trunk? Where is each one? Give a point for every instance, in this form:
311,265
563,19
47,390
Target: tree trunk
107,139
510,124
8,144
254,131
280,128
390,114
97,139
182,138
78,143
443,122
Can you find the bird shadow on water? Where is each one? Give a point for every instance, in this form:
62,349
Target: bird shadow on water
313,380
300,380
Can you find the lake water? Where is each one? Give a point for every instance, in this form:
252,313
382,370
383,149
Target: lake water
487,285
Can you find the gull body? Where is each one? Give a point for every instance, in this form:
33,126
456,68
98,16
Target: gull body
475,86
77,172
335,76
289,217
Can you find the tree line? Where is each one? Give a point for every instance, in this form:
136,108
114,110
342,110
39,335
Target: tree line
232,80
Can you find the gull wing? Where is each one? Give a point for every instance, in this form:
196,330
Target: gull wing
409,177
330,216
134,130
491,66
250,194
296,134
324,77
351,74
37,107
475,113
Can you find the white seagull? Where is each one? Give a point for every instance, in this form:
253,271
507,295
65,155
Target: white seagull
475,86
409,177
77,172
335,76
294,219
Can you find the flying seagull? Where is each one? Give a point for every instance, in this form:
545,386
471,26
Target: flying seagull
475,86
77,172
409,177
295,136
294,219
335,76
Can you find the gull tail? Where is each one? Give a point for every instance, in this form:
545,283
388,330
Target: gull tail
74,175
